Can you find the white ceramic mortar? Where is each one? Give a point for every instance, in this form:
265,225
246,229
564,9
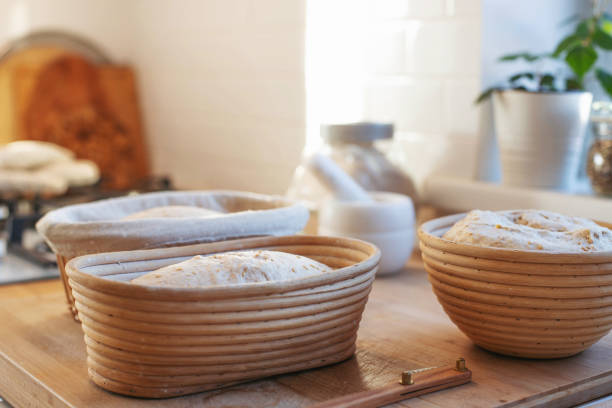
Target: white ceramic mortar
387,222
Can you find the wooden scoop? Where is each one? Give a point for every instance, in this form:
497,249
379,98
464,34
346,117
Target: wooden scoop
412,384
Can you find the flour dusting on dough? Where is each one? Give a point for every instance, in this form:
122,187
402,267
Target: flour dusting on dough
233,268
531,230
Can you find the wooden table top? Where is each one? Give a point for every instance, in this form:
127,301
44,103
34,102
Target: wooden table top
42,359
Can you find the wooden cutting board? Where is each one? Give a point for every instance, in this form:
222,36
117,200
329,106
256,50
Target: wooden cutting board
53,95
42,359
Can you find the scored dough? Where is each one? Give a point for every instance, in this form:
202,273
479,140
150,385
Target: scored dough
531,230
171,211
232,268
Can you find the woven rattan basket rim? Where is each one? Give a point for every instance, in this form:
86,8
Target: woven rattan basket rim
431,231
75,266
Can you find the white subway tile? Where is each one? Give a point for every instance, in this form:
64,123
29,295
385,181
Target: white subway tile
256,142
414,106
192,170
396,9
464,8
427,47
206,15
427,8
388,9
462,115
443,47
385,51
421,155
281,101
276,12
241,154
464,40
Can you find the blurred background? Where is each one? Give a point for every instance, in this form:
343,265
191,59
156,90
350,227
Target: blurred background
229,92
150,95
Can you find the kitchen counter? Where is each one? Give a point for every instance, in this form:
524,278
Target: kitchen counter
15,269
42,359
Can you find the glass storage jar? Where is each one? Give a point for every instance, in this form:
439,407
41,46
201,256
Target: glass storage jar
599,159
352,147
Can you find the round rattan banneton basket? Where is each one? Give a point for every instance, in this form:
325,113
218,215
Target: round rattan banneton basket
163,342
521,303
100,226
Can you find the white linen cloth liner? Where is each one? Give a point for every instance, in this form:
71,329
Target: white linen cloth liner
98,226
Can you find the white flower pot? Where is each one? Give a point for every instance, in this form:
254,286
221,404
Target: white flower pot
540,136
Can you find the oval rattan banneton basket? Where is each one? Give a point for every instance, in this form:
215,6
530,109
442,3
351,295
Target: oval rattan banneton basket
530,304
163,342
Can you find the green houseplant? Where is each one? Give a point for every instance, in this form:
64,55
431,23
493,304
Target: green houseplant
579,51
541,115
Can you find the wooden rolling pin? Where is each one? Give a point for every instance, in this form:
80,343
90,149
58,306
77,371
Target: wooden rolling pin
412,384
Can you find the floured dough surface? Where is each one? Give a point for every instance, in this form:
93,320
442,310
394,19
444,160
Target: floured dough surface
530,230
232,268
172,211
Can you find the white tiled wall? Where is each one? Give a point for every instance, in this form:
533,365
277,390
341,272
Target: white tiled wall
223,87
221,81
223,90
424,74
226,99
105,21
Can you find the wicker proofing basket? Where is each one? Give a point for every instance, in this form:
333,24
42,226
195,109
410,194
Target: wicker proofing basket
99,226
162,342
520,303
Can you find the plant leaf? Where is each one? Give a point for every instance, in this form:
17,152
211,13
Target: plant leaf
547,82
567,43
572,84
606,24
521,55
602,39
531,57
605,79
581,59
486,94
520,75
585,28
510,57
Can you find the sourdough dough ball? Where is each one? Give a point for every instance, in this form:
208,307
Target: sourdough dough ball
30,154
172,211
19,181
232,268
77,173
530,230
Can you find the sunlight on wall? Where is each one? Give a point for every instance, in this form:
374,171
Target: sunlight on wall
413,63
335,62
18,20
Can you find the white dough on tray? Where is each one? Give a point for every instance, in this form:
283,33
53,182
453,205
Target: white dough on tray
232,268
